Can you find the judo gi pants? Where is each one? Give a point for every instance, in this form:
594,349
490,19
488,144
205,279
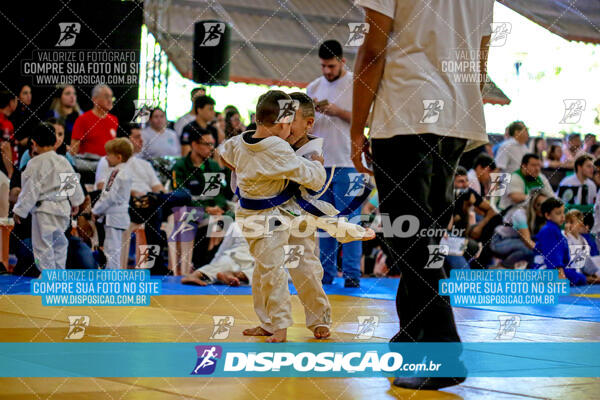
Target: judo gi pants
113,245
415,175
49,241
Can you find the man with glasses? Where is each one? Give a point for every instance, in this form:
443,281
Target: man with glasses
206,182
97,126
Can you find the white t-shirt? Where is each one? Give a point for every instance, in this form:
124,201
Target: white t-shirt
510,154
575,198
334,131
517,185
160,144
474,181
143,176
182,122
428,42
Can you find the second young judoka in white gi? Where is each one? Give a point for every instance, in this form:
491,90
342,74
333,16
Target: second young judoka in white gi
113,205
51,192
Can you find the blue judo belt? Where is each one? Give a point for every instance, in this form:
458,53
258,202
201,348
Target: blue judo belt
293,190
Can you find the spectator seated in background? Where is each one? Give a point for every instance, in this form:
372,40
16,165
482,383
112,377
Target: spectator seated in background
204,107
97,126
553,158
189,117
552,248
58,146
202,177
575,229
466,201
513,241
159,141
232,264
8,145
479,176
523,181
571,150
149,204
579,189
595,150
23,119
65,109
511,152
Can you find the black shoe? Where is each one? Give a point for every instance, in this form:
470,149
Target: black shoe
352,283
423,383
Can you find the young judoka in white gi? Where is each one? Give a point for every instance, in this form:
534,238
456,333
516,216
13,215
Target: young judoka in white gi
267,169
113,204
52,193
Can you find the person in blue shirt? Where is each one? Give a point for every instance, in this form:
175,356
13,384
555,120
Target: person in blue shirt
551,247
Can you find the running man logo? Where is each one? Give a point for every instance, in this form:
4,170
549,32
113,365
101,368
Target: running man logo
292,255
68,33
68,184
77,325
148,254
222,326
498,183
574,108
212,184
207,359
287,111
431,111
366,326
358,31
508,326
500,31
578,254
143,108
356,184
213,32
437,255
186,224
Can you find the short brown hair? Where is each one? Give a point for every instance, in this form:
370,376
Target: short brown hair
579,161
267,108
306,103
120,146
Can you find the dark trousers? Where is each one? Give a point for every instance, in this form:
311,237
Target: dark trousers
414,176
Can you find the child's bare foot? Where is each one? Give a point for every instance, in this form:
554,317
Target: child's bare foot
228,278
280,335
321,332
258,331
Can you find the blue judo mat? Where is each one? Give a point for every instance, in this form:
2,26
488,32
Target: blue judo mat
570,307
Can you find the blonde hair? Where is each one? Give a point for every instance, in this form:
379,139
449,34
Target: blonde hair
574,214
120,146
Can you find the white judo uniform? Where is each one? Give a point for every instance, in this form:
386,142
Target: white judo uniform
49,188
262,170
113,206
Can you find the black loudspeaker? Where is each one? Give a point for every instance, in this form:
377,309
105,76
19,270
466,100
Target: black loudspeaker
211,52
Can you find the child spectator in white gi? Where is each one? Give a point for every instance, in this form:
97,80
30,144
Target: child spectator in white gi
574,231
52,194
113,204
267,168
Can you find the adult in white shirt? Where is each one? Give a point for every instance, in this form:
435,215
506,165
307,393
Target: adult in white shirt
423,115
189,117
579,188
159,141
332,123
479,176
511,151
